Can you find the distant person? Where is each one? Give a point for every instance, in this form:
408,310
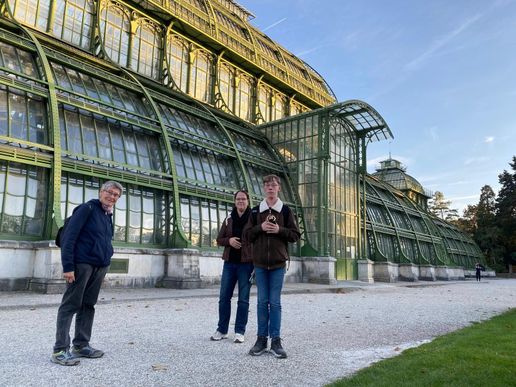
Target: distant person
86,252
270,228
478,269
238,267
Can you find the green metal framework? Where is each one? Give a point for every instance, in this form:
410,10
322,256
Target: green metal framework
79,122
399,230
321,151
163,96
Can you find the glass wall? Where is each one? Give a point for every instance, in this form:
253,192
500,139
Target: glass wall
325,174
400,231
163,151
23,200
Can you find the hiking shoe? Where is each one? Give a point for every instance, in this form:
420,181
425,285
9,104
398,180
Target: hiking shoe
259,347
239,338
217,336
88,352
276,348
64,358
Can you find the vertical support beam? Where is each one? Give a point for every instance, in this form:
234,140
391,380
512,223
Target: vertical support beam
55,133
362,211
322,191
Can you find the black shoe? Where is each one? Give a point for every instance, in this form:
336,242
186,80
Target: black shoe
276,348
259,347
87,351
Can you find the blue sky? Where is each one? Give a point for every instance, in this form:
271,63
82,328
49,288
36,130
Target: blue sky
441,73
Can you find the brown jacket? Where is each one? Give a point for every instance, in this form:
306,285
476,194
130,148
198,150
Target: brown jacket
270,251
225,233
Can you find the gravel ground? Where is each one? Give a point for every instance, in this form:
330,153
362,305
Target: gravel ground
162,339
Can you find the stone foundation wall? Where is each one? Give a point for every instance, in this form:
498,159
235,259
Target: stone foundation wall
37,267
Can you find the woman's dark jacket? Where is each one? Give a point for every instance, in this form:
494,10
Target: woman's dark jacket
226,232
87,237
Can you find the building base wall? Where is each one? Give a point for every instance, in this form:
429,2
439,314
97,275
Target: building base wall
37,267
386,272
365,269
409,272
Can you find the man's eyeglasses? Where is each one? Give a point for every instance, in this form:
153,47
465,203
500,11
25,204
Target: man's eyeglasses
112,193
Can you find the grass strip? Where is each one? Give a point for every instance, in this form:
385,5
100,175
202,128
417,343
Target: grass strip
483,354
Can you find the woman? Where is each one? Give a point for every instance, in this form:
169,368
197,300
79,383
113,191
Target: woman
238,267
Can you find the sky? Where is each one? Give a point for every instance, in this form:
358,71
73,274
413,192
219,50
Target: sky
441,73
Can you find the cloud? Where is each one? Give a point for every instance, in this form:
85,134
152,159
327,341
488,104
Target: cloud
310,50
476,160
457,198
440,43
489,139
274,24
432,132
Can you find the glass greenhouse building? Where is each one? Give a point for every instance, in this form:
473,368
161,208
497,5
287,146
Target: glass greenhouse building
184,102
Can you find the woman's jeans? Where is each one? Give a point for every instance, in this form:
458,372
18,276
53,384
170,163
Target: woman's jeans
80,297
231,274
269,283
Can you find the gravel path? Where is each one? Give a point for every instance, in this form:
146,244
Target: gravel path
157,341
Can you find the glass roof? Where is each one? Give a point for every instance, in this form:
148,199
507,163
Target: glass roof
363,118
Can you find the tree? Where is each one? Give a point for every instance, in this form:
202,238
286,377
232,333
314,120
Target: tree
487,233
440,207
506,211
468,222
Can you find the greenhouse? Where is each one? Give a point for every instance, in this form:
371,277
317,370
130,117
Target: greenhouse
183,103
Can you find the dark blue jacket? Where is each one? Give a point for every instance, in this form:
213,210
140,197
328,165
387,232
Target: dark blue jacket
87,237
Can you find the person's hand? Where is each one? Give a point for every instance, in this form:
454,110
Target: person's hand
270,228
235,243
69,276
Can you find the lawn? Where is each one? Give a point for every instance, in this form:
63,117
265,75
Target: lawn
483,354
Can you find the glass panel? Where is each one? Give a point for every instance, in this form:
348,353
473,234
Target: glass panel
37,121
31,12
4,123
115,29
178,62
135,218
201,77
146,53
23,198
73,21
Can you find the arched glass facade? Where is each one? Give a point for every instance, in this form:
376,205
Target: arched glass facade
401,231
166,100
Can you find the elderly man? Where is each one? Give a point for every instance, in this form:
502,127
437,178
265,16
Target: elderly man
86,252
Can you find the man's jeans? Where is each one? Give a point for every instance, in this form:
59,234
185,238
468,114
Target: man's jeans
269,283
231,274
80,297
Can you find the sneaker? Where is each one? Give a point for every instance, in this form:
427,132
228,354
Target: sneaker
64,358
259,347
239,338
276,348
87,351
217,336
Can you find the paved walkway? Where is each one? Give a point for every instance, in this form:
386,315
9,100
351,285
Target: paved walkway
160,337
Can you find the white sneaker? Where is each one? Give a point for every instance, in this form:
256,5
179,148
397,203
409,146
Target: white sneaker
239,338
217,336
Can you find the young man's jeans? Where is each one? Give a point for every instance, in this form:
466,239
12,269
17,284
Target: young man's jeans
231,274
80,297
269,283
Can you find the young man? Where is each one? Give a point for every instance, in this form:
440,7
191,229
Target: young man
86,252
270,228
